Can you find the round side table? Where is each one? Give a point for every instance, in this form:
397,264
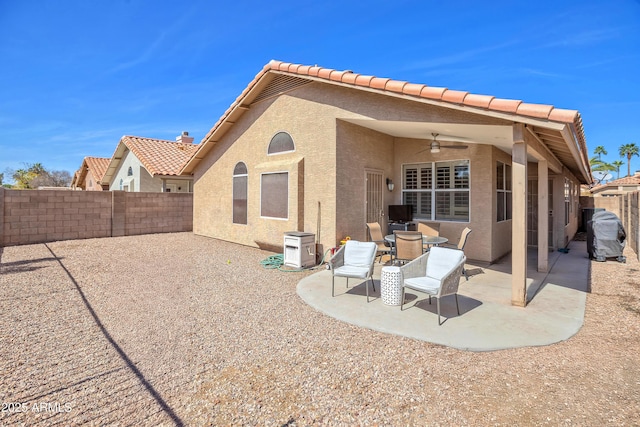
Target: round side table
390,285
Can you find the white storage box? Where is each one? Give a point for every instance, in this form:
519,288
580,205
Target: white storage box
299,249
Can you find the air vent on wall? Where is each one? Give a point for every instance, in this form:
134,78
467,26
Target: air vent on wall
279,85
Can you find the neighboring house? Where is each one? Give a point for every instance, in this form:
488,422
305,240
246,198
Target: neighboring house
150,165
305,148
618,186
89,176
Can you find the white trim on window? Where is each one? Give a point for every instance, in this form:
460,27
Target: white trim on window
262,175
293,149
431,186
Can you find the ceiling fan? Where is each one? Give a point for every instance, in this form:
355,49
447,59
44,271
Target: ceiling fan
436,145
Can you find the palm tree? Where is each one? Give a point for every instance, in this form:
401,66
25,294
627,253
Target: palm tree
617,164
603,169
629,150
600,150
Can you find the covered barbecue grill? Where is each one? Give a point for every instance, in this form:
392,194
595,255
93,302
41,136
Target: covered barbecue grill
605,237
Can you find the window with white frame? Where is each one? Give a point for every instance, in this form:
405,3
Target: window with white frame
438,191
281,143
240,180
274,195
503,192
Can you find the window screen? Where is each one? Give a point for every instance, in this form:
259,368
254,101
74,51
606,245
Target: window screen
281,143
274,195
240,180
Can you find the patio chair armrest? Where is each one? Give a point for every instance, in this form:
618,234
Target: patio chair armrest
415,268
451,282
384,242
337,260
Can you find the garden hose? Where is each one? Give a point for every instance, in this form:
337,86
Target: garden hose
274,262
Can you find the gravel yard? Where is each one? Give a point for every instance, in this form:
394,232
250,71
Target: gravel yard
181,329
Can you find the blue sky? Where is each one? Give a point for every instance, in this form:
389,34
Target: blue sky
78,75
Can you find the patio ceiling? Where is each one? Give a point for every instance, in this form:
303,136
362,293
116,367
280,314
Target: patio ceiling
499,136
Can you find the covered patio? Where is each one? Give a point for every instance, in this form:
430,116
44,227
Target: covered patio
488,320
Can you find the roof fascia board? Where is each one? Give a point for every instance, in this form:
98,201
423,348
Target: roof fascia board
572,142
109,174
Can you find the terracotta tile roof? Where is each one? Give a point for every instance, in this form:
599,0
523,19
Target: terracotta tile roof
97,166
488,103
627,180
159,157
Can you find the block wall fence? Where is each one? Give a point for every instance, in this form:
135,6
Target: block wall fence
37,216
627,208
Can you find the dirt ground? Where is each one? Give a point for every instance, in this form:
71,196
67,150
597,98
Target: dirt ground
178,329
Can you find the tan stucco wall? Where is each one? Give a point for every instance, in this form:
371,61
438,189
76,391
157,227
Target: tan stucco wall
330,188
360,149
313,131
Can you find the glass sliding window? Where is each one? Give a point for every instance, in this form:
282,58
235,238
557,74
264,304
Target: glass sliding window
240,180
437,191
274,195
503,192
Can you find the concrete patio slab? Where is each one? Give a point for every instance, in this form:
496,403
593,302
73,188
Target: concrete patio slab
487,322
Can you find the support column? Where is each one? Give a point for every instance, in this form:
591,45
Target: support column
519,218
543,216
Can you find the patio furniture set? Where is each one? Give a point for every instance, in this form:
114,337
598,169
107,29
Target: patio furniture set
418,263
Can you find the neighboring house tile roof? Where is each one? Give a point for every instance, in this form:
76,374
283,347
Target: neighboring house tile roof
160,157
486,103
97,166
620,182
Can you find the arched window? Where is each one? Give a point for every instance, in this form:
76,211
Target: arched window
281,143
130,171
121,183
240,179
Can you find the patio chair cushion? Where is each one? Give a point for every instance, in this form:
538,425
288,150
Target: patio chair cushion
425,284
352,271
440,261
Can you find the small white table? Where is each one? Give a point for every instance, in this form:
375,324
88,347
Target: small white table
391,285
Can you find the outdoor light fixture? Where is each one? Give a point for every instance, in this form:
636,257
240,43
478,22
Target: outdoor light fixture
435,145
390,184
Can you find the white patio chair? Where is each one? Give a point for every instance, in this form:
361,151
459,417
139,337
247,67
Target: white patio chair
354,260
436,273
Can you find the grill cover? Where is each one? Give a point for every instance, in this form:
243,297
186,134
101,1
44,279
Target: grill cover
605,237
